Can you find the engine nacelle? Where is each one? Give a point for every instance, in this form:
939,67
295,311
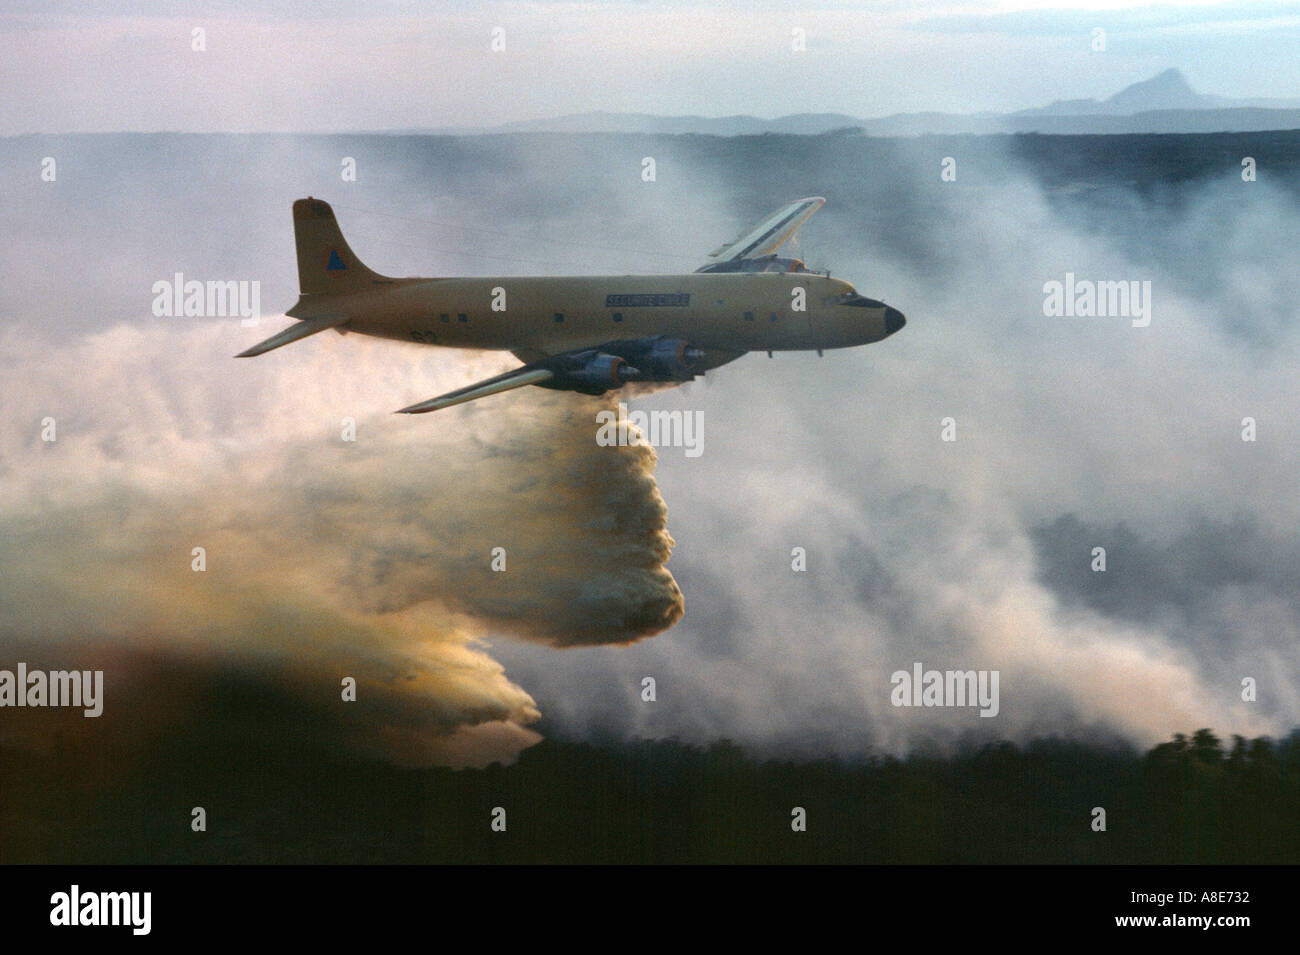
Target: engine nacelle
670,359
601,373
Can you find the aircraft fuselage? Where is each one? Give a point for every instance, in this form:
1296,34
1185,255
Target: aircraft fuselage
715,312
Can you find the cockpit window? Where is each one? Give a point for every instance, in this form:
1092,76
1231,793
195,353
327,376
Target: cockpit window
859,301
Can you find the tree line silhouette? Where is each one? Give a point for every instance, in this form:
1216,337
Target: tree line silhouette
1190,800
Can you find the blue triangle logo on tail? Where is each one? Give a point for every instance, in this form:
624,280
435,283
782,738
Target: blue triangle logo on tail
335,263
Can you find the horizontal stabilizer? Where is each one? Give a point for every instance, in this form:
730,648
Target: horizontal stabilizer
511,379
294,332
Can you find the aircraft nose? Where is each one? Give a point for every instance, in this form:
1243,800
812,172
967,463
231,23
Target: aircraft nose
894,320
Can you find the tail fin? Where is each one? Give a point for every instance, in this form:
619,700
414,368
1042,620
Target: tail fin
326,265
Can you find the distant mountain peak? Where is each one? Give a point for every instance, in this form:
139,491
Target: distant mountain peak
1167,90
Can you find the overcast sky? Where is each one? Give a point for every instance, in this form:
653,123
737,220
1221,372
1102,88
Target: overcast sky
350,65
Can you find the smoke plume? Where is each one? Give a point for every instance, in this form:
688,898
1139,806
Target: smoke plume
337,540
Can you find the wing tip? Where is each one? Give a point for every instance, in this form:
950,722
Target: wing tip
423,407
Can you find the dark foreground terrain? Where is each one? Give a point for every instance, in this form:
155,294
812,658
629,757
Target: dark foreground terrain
1191,800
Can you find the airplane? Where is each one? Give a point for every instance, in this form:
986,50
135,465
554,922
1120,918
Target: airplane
589,334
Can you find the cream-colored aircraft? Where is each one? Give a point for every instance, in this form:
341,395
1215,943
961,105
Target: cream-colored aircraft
591,333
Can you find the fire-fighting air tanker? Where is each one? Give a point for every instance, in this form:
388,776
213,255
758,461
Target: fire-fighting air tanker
590,334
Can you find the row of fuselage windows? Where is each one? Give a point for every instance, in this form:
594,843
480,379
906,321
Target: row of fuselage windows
462,317
559,317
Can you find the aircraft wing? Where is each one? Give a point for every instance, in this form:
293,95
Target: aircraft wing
516,378
768,236
591,371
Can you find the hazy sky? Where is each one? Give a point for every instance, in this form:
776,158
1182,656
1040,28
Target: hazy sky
349,64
